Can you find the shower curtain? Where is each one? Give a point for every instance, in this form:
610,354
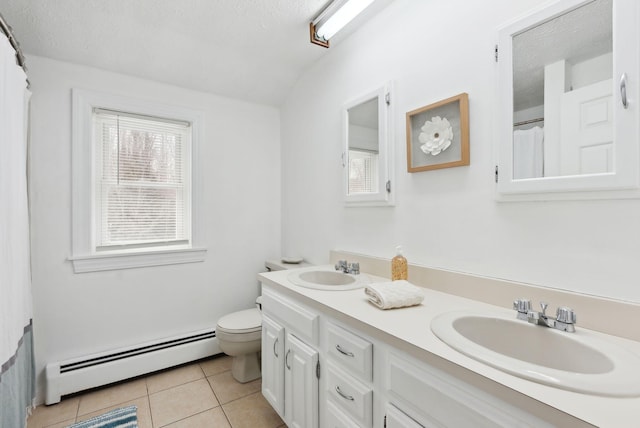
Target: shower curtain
17,375
528,153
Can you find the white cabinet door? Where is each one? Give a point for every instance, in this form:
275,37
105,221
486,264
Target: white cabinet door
273,363
301,384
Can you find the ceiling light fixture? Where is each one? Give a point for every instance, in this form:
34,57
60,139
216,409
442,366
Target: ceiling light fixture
338,14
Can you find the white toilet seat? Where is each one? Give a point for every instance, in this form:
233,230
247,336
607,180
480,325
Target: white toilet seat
241,326
247,321
239,337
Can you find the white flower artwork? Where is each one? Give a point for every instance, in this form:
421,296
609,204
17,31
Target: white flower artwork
436,136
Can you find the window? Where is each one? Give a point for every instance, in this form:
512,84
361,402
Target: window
135,184
142,181
363,171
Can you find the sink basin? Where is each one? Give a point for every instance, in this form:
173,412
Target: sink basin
580,361
327,279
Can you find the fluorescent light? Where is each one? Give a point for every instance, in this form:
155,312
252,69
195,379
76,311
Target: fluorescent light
334,18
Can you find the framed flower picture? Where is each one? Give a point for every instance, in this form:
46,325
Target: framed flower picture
438,135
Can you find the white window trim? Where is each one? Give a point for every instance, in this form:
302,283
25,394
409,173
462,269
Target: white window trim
84,257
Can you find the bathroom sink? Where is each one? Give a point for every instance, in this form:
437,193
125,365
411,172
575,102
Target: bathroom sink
580,361
325,278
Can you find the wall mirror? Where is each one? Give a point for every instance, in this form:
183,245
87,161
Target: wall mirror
568,94
366,156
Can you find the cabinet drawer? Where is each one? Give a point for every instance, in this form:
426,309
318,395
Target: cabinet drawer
350,395
437,397
337,419
353,352
395,418
300,320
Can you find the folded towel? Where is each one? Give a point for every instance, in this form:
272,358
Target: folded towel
396,294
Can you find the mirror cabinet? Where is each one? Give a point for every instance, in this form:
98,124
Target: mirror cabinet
367,149
568,79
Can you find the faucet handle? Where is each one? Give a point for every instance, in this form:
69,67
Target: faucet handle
341,265
354,268
544,306
566,315
522,305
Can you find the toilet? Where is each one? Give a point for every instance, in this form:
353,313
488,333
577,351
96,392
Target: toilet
240,335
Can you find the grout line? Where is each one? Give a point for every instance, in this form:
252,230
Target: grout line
224,412
204,376
146,385
186,417
202,370
77,410
244,396
150,412
190,416
213,391
240,398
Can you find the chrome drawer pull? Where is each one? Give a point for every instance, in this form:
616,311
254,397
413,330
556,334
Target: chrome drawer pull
286,360
275,343
343,395
343,352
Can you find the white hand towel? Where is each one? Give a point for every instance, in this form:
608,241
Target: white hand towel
395,294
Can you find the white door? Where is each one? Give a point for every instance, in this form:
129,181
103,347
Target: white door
586,128
301,384
273,363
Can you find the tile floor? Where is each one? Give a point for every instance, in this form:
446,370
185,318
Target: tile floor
198,395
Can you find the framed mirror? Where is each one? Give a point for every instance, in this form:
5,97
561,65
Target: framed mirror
367,151
568,101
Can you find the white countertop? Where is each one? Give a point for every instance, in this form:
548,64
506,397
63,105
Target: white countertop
411,325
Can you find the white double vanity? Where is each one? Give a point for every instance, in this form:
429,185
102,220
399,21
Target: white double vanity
332,359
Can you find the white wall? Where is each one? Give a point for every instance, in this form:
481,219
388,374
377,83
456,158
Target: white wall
446,218
591,71
78,314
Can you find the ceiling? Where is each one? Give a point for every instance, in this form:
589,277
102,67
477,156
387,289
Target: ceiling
582,33
252,50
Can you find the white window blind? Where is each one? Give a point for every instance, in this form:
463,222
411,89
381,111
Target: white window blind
142,181
363,171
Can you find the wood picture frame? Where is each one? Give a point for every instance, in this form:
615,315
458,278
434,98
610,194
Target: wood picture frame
438,135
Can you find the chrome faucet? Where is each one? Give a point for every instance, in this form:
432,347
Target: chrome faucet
346,267
565,317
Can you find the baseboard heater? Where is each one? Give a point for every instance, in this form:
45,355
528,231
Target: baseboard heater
78,374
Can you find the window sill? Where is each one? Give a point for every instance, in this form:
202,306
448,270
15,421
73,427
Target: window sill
129,260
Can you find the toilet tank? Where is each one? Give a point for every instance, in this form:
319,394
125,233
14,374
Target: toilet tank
272,265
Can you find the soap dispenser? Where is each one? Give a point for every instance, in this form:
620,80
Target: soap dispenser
399,266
